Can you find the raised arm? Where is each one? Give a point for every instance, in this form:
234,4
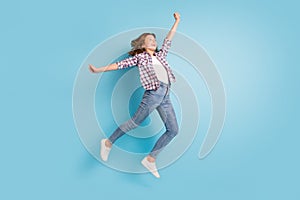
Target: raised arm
174,27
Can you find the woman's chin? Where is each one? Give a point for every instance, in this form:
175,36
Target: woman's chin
152,48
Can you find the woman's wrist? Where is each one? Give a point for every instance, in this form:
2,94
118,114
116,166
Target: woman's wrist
102,69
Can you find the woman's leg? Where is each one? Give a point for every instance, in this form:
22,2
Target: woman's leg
149,102
167,114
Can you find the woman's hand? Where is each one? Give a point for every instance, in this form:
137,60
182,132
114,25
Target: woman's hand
176,16
93,69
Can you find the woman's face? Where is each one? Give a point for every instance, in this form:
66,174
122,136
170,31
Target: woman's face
150,42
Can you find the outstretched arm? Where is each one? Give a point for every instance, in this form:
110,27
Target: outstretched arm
128,62
174,27
110,67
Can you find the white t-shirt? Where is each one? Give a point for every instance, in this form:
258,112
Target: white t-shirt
160,70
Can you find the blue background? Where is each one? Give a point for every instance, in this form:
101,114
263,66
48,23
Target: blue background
255,46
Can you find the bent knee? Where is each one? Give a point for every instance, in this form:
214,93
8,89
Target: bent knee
174,131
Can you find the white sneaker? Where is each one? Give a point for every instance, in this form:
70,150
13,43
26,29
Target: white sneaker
151,167
104,150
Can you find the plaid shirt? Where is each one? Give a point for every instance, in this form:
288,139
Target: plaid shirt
143,61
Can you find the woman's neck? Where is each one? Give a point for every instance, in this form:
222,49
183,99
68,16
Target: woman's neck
150,51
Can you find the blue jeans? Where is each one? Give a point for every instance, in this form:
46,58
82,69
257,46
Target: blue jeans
153,99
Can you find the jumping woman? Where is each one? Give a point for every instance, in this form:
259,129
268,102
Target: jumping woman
156,77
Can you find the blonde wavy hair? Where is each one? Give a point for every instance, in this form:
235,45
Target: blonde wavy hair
137,44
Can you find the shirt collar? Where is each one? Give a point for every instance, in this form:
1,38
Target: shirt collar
154,54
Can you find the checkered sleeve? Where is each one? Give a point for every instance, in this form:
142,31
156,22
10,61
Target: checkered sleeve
165,47
128,62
